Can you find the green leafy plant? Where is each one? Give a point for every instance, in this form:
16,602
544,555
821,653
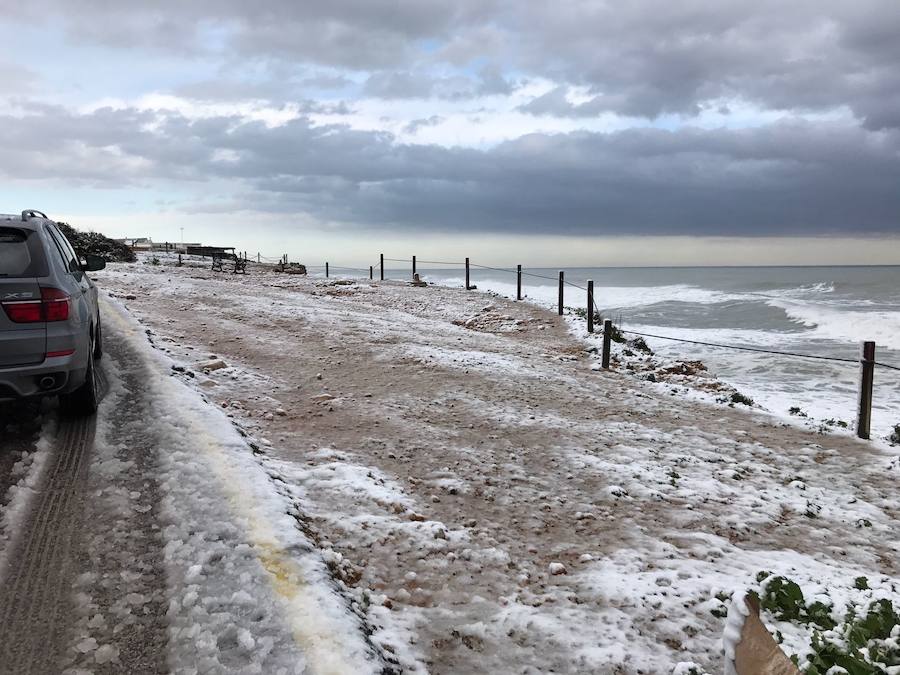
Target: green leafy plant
865,645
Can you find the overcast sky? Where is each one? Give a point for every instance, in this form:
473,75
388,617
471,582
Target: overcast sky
565,131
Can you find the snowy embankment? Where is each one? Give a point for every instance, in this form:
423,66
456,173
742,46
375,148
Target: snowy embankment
246,589
490,502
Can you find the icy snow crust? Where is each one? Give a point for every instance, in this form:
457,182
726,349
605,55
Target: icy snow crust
492,503
248,592
26,474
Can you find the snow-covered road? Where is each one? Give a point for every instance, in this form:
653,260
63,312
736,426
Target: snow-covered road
306,476
491,503
152,540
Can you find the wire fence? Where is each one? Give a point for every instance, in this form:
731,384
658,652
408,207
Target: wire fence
377,265
866,362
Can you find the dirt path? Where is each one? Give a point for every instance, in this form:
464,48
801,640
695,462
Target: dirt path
451,449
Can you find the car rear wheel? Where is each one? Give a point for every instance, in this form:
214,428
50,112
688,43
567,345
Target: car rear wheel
83,401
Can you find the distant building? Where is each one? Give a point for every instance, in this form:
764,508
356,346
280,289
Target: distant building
147,244
175,246
137,243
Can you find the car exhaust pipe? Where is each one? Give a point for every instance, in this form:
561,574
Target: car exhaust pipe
47,382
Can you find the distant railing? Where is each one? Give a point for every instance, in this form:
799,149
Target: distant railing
866,360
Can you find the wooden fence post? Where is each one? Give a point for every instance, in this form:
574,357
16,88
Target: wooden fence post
371,273
326,270
866,380
607,338
382,266
518,282
562,280
258,258
467,274
414,267
179,260
590,305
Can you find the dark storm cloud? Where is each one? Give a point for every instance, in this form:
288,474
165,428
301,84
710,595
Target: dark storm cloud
643,58
790,178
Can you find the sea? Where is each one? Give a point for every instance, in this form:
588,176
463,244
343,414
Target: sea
822,311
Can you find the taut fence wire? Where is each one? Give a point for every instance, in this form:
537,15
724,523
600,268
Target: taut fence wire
866,362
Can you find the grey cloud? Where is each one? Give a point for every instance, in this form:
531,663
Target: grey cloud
788,178
421,85
281,93
642,58
417,124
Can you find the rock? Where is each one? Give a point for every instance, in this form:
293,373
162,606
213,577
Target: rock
88,644
268,417
895,434
557,568
131,296
215,364
318,376
322,398
281,412
105,654
640,345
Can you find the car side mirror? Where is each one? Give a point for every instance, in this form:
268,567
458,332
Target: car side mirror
92,263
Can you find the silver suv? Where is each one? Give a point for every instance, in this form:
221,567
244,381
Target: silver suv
50,322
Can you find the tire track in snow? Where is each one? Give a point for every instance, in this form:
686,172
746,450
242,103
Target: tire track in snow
34,597
120,624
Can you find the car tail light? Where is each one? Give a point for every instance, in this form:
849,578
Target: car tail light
24,311
53,306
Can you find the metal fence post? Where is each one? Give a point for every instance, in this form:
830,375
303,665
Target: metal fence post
467,274
326,270
866,380
607,338
518,282
590,305
562,280
382,266
414,267
371,273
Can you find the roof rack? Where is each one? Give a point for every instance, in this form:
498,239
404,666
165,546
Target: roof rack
31,213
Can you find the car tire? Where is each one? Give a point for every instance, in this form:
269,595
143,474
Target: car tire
98,342
83,401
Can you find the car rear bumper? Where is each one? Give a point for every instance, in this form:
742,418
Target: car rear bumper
67,374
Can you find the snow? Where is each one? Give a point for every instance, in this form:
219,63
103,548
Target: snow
444,510
734,624
225,528
27,473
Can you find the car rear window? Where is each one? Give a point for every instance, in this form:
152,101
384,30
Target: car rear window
21,254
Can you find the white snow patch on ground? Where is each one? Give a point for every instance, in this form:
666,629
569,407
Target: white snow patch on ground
236,560
657,507
27,472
